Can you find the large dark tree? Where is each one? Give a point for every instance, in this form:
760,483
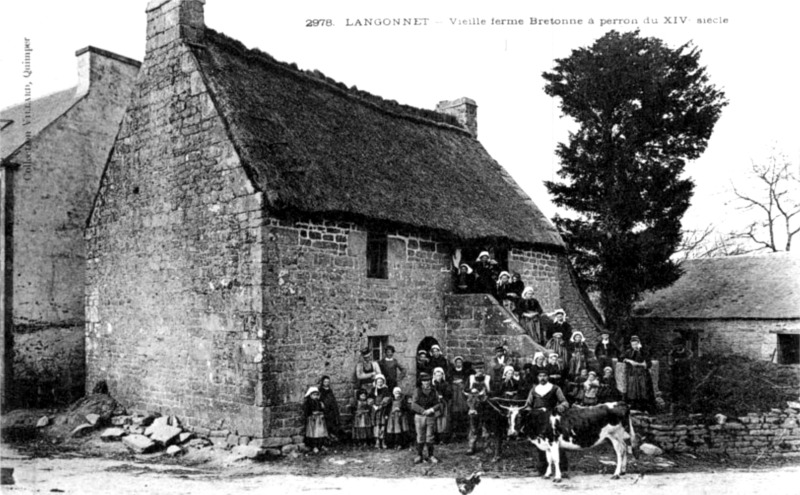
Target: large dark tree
643,110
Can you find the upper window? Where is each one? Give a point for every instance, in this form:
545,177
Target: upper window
377,264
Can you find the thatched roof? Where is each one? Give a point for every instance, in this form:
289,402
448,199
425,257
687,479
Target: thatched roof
313,145
763,286
30,118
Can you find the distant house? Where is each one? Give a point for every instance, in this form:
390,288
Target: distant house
736,305
52,152
258,225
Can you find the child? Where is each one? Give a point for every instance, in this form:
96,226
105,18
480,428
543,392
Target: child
425,404
381,400
579,354
362,419
397,424
576,390
590,389
445,394
314,414
608,386
554,373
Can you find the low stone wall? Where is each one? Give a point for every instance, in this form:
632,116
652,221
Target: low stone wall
775,433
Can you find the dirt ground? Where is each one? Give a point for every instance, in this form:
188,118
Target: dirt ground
89,466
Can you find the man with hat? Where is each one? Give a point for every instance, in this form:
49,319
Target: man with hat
423,364
547,396
499,363
391,368
366,371
639,390
606,351
424,404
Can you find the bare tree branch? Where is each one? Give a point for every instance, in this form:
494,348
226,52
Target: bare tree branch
778,198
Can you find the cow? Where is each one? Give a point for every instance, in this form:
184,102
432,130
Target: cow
577,428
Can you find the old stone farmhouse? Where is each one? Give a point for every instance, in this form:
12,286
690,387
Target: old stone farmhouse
52,152
257,225
748,305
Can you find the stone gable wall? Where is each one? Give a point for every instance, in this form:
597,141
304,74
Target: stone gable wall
52,200
173,296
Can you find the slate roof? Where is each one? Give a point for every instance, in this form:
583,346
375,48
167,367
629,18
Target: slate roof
313,145
765,286
29,119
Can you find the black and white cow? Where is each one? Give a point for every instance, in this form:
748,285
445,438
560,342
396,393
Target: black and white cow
577,428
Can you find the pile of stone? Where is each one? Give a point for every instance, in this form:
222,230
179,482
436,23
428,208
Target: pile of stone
154,433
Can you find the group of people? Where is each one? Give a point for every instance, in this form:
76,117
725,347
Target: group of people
439,408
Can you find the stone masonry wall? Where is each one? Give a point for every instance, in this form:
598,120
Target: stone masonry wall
51,203
754,338
776,433
548,274
477,323
321,309
49,366
173,297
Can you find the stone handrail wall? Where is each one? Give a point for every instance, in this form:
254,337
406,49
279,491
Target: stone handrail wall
477,323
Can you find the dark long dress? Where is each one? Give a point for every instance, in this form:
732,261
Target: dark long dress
605,354
639,390
529,313
485,277
380,413
459,407
332,418
579,358
445,392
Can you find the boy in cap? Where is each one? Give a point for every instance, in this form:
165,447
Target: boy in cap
424,404
423,364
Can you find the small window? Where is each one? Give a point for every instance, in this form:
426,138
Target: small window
377,344
377,264
788,349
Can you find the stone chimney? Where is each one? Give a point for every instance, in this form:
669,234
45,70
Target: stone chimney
98,67
465,110
172,20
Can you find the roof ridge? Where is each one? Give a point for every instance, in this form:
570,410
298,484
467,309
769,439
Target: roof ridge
14,105
391,107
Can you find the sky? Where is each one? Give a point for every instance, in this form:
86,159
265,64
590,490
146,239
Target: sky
750,51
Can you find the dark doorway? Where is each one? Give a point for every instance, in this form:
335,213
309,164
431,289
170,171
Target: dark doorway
426,343
469,255
788,349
